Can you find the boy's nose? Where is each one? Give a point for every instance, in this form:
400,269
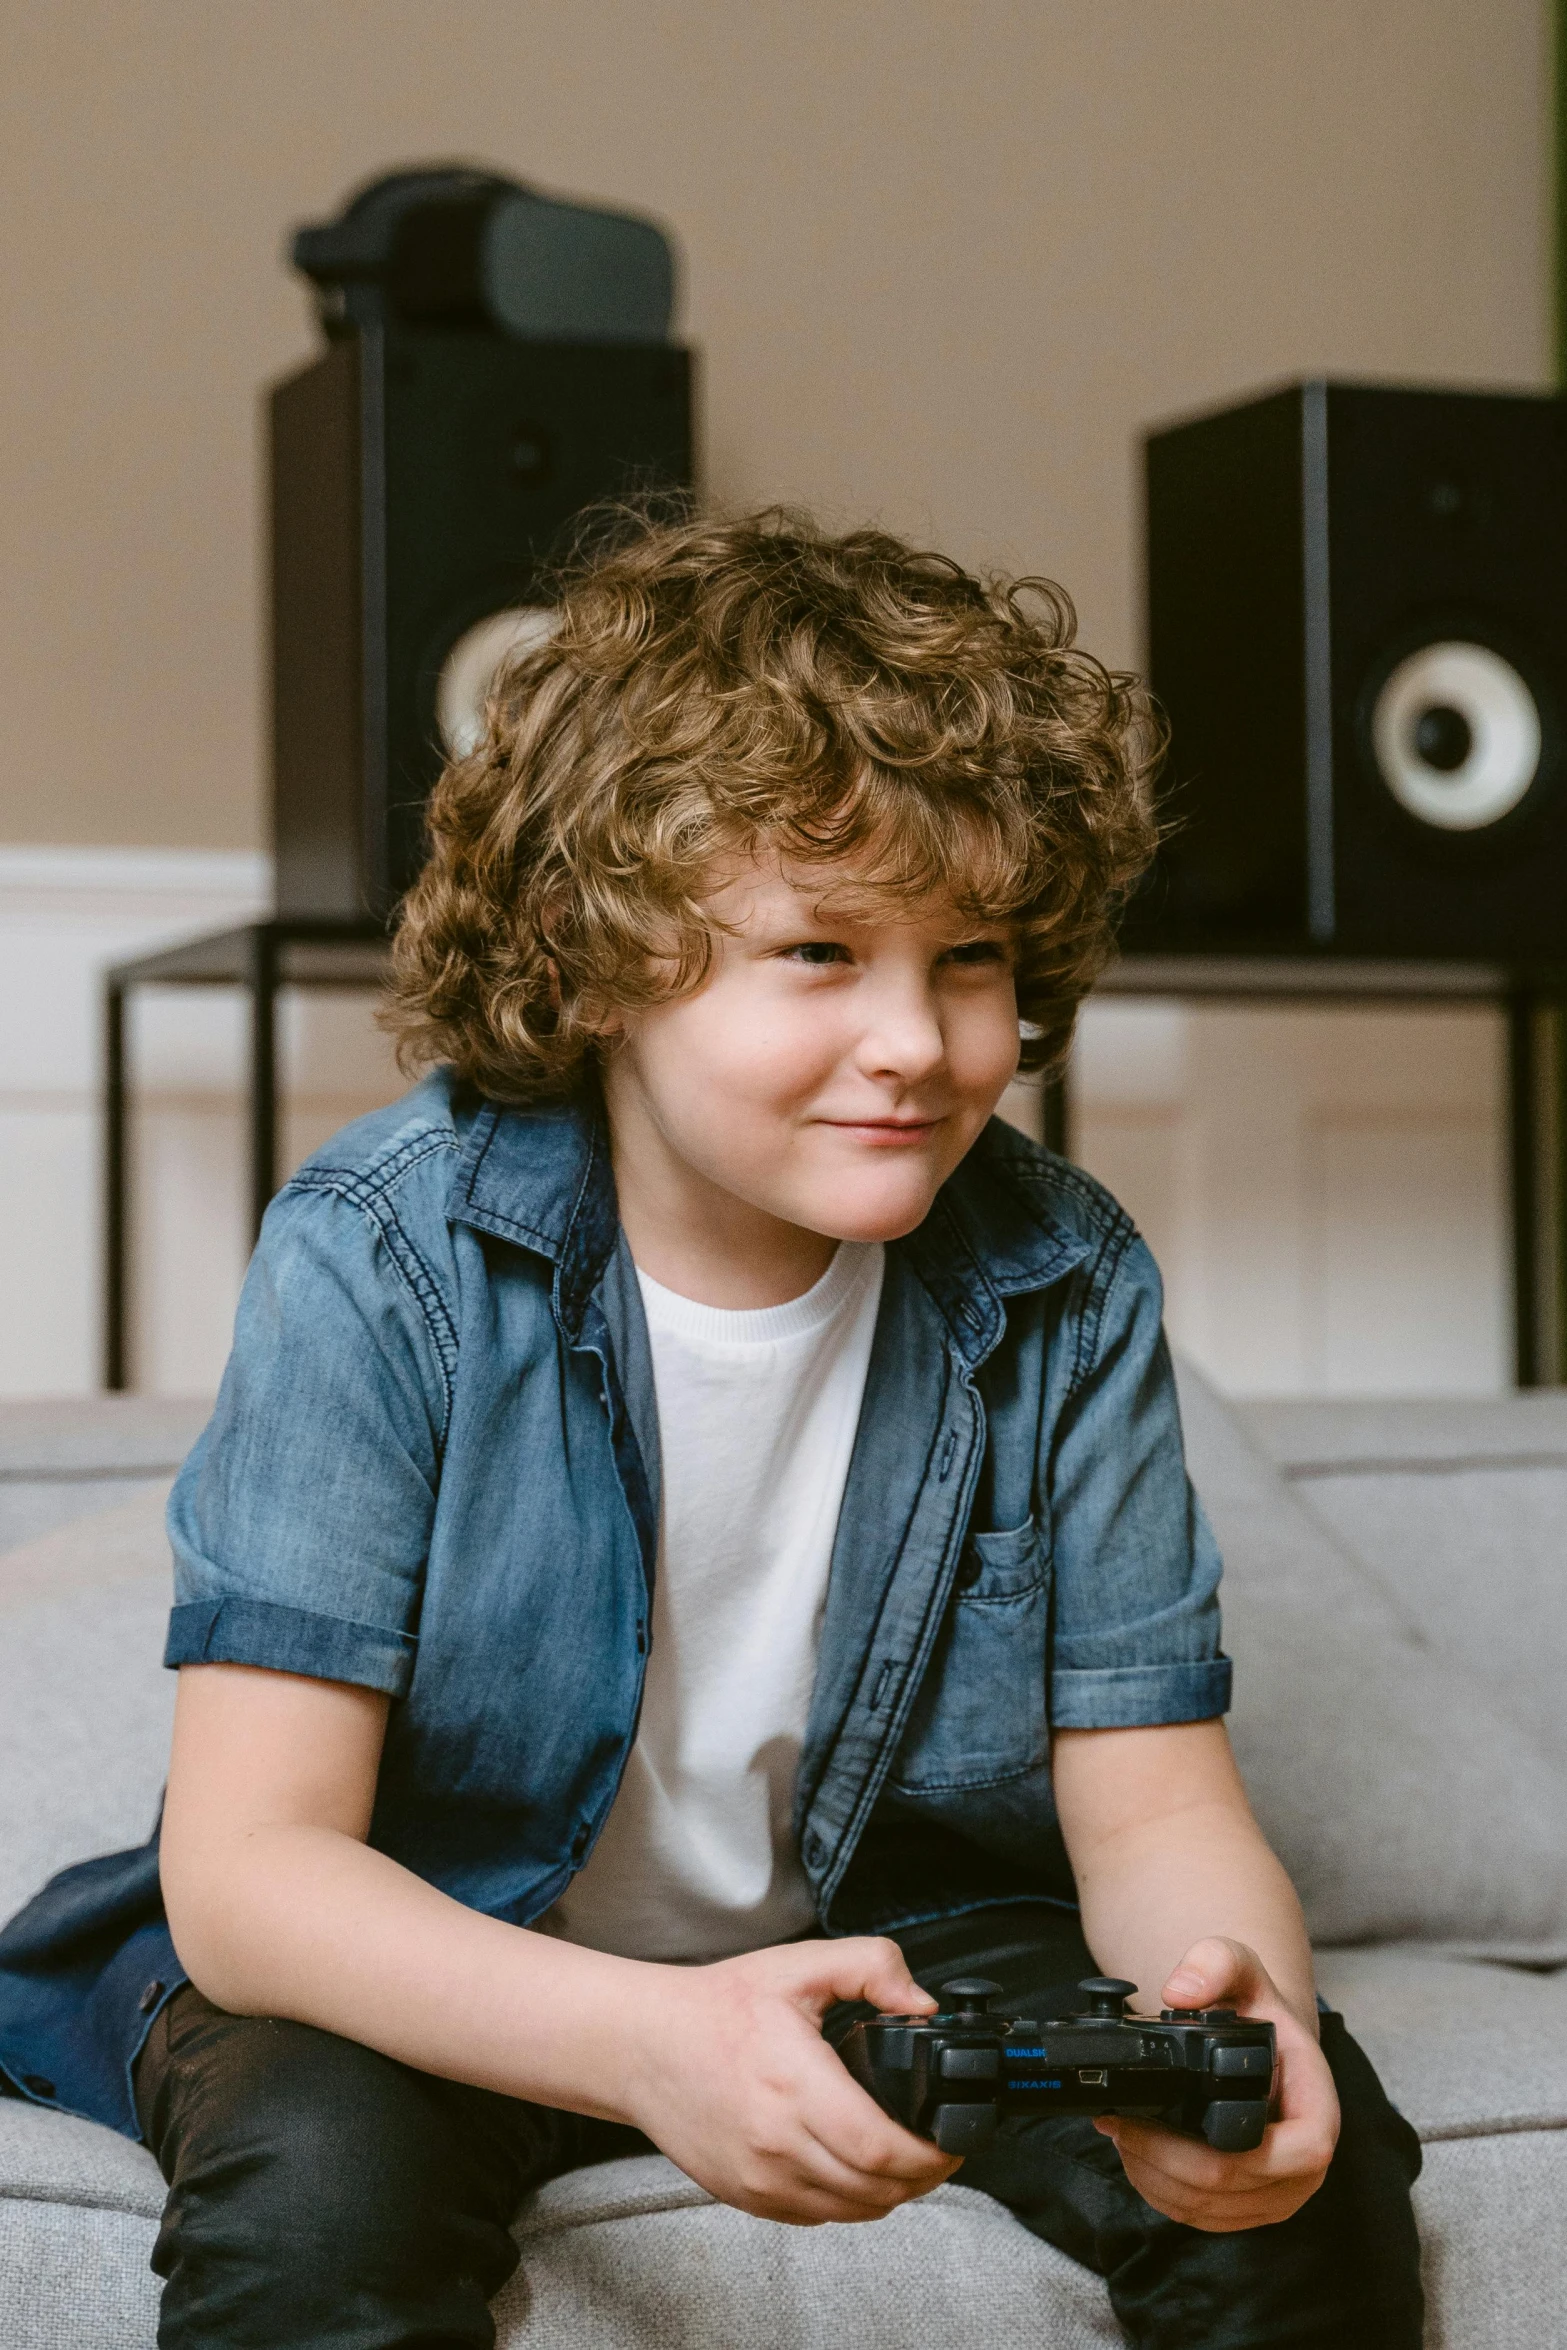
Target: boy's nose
903,1039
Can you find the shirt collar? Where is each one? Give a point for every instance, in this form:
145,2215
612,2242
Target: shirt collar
993,1232
542,1179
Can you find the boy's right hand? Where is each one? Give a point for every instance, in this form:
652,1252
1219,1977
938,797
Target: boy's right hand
734,2081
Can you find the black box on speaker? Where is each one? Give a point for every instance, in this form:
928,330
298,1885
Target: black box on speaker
1357,627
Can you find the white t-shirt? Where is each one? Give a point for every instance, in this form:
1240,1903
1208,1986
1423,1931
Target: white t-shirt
756,1416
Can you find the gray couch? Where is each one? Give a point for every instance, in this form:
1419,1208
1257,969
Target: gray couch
1396,1601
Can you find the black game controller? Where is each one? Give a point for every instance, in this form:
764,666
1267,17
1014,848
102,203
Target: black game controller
956,2075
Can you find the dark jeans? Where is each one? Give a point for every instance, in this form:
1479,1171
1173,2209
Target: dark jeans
321,2194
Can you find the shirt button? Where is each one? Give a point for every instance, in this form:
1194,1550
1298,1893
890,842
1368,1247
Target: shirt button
815,1850
970,1568
150,1997
579,1842
38,2086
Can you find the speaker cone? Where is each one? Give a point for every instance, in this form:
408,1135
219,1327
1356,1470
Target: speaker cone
471,667
1456,734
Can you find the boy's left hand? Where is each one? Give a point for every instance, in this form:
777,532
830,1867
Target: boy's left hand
1187,2180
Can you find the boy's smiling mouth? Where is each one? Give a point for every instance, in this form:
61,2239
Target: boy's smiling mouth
885,1133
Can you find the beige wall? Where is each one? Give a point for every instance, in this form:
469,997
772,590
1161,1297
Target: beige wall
941,263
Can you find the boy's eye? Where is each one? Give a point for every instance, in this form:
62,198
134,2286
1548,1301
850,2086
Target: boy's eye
978,950
816,951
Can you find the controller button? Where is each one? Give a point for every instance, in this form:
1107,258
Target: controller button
968,1994
963,2129
895,2048
1248,2063
1233,2125
1107,1997
970,2064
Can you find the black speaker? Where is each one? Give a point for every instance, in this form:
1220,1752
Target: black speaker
1357,627
496,363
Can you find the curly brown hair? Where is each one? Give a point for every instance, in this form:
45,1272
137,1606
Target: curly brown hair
715,687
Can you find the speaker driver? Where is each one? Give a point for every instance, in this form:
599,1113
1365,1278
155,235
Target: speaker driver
472,665
1457,737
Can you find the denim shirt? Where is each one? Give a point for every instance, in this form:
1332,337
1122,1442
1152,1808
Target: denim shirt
433,1471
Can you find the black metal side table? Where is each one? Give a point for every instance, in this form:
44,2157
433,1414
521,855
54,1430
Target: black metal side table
261,957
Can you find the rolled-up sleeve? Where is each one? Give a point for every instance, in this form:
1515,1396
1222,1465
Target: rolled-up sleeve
300,1523
1137,1636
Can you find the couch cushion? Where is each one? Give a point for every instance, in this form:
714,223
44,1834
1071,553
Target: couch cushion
140,1435
65,1460
1403,1800
1303,1433
1461,1509
75,2280
85,1705
1465,2051
631,2256
1493,2230
78,2214
55,2158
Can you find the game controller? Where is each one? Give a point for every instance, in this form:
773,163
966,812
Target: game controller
957,2075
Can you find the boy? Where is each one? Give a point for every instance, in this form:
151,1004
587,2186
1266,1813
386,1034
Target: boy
694,1530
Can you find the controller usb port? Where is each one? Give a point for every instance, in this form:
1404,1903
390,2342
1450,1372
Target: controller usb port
1094,2080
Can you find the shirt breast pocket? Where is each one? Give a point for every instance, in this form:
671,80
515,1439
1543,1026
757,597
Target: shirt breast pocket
982,1712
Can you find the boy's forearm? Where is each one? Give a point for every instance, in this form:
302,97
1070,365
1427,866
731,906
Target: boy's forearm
1151,1891
1166,1852
313,1925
